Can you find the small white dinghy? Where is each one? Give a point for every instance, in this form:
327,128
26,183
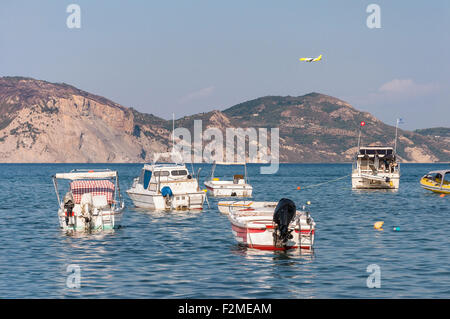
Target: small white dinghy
93,201
238,187
272,228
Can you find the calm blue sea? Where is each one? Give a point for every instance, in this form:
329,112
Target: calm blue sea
194,254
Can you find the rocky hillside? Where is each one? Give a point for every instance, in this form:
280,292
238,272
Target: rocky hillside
320,128
47,122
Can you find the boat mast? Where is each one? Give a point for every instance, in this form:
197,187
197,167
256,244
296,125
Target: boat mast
173,132
359,137
395,143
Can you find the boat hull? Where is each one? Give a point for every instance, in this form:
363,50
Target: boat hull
154,201
104,220
434,187
226,207
255,228
263,238
229,190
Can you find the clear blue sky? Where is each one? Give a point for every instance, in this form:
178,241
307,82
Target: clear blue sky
194,56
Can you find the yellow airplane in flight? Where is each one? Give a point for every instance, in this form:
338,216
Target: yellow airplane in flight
312,59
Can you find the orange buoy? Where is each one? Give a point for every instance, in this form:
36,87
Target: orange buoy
442,195
298,188
378,225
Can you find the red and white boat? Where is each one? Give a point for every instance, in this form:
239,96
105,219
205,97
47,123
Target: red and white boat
256,227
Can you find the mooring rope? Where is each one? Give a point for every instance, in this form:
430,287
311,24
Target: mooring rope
330,181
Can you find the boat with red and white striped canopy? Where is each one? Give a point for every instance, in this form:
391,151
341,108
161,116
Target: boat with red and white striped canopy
93,202
272,228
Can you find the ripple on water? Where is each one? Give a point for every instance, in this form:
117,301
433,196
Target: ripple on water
194,255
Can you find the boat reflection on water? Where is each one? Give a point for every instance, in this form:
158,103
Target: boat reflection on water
374,190
156,215
293,254
96,235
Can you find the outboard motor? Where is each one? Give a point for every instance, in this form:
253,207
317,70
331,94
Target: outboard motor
68,206
283,216
166,192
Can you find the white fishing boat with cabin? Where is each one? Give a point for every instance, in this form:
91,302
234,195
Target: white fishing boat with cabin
166,187
238,187
273,228
376,167
93,202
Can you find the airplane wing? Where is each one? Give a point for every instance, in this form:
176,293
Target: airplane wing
318,58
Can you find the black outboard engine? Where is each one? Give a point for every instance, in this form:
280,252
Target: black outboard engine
284,214
68,206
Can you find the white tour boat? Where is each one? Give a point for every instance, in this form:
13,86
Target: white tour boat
376,167
166,187
93,201
273,228
238,187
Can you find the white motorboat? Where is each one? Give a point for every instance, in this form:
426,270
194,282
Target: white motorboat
166,187
227,206
93,202
376,167
273,228
238,187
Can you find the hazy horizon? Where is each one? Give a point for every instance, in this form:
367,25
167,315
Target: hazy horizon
186,58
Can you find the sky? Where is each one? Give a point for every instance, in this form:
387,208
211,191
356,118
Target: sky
185,57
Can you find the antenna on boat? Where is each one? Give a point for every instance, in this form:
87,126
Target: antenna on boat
359,137
173,132
399,121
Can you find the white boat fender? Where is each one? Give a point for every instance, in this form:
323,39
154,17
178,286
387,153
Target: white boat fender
166,191
283,216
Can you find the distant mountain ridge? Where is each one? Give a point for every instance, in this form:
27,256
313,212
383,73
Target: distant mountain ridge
48,122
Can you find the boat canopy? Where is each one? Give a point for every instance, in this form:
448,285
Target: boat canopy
155,167
442,172
379,150
74,175
230,163
94,187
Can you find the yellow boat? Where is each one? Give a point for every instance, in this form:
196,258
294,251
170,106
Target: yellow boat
437,181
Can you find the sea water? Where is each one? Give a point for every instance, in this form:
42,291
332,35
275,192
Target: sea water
184,254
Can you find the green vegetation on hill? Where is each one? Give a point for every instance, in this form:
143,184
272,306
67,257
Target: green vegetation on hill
435,131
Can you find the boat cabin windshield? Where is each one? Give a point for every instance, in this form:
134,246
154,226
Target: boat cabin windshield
145,177
153,175
377,160
438,179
